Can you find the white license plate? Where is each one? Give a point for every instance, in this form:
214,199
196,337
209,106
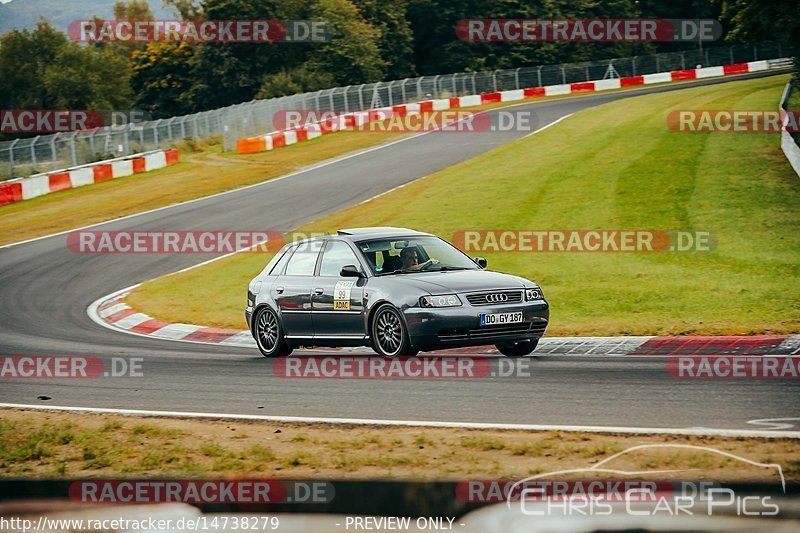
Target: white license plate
501,318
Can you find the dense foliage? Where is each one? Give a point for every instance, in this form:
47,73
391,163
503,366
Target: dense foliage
374,40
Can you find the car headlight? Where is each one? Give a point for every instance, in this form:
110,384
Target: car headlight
533,294
445,300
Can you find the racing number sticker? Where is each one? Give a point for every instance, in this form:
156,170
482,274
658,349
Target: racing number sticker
341,295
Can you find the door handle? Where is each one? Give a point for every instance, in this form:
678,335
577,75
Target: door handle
319,290
279,290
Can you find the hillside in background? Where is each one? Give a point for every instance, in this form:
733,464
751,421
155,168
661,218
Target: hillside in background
19,14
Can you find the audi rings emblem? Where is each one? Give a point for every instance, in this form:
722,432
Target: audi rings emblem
495,298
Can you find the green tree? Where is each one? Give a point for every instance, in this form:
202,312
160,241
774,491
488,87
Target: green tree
25,57
353,55
774,20
163,73
85,78
396,41
231,73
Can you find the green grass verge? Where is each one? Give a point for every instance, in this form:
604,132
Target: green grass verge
614,167
204,170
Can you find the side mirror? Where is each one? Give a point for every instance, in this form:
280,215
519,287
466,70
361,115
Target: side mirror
351,271
480,261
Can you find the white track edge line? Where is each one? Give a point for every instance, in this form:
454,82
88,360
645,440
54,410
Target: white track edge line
361,152
416,423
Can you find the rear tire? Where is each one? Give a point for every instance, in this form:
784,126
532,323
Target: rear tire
388,333
518,348
268,334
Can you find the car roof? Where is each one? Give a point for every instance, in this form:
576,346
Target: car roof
362,234
365,234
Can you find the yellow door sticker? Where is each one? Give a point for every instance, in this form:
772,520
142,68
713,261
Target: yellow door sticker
341,305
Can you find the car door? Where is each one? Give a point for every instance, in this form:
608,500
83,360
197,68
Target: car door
292,290
338,302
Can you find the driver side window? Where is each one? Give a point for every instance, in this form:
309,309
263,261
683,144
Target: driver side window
337,254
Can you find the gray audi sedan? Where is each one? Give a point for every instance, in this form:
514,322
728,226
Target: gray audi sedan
396,290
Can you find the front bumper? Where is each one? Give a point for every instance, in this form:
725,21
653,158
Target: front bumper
453,327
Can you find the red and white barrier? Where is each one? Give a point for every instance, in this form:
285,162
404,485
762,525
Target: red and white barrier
40,184
275,139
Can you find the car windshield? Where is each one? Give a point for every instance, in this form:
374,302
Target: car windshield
414,254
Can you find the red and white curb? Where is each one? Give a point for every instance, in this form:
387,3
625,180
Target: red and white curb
276,139
111,311
20,189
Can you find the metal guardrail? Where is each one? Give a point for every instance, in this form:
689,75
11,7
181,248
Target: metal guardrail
790,141
23,157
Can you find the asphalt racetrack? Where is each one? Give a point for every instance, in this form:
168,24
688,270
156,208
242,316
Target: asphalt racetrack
45,290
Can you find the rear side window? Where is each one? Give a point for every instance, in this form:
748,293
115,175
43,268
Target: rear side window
279,267
304,259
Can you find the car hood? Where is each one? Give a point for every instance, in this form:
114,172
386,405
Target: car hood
463,281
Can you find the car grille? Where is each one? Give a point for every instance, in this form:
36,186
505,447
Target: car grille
486,332
495,297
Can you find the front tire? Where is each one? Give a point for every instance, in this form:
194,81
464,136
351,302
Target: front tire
268,333
389,335
518,348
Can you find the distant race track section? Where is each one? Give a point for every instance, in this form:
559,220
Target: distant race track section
20,189
276,139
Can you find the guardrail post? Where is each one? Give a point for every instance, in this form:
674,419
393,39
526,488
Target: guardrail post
155,132
53,154
403,90
11,155
474,90
33,152
516,78
563,75
494,80
72,149
346,103
539,76
435,86
361,97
